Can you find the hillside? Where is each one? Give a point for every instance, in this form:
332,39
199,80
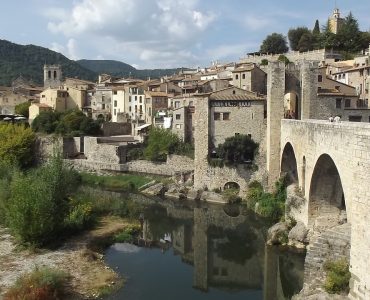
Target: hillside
29,61
120,69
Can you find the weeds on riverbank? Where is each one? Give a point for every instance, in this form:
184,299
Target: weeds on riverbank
338,276
40,284
269,205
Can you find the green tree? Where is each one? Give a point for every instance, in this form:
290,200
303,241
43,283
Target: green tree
237,149
306,42
295,35
274,43
16,146
316,29
46,122
22,109
160,143
283,59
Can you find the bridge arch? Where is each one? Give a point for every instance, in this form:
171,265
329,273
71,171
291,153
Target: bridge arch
289,164
326,194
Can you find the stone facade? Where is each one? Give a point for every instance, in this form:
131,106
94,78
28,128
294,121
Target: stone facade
348,146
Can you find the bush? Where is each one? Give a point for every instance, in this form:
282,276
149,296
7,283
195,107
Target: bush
135,154
162,142
16,146
38,204
338,276
128,234
23,109
40,284
237,149
231,195
6,174
80,217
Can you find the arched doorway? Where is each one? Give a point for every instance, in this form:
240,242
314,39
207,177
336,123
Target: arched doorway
291,106
289,164
232,186
327,201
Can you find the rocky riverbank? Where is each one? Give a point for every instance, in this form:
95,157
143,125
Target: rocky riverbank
81,257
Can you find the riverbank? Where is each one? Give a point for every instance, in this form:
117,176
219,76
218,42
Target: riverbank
80,256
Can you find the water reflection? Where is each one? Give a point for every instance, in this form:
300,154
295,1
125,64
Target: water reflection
225,247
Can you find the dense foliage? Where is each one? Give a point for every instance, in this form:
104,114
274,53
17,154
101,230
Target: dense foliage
29,61
38,202
338,276
237,149
16,146
72,122
269,205
40,284
22,109
274,43
162,142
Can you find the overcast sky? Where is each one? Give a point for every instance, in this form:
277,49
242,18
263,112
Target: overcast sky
162,33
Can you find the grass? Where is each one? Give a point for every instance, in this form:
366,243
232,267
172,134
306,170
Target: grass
40,284
115,182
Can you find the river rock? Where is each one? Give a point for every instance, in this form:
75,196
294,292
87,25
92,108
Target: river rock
212,197
193,195
156,190
278,234
298,233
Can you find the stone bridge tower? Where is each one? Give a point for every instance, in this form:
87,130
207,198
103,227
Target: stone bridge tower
299,79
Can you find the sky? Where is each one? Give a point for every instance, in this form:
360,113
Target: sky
163,33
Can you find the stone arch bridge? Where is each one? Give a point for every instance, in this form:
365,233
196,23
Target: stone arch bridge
330,163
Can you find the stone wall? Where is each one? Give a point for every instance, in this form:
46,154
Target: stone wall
175,165
293,56
111,129
46,146
103,153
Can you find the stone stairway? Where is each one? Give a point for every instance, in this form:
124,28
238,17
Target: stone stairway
331,244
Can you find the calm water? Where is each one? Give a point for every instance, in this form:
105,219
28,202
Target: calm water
210,252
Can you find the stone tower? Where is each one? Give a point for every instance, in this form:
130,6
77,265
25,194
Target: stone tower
335,21
52,76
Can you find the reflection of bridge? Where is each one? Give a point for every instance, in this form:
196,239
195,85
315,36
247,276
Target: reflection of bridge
330,162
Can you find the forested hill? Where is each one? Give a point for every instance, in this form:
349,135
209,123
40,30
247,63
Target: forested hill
29,60
120,69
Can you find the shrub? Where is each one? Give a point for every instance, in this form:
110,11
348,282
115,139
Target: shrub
338,276
16,146
80,217
128,234
135,154
231,195
23,109
38,204
40,284
237,149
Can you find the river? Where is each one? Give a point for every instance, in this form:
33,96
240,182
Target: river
201,251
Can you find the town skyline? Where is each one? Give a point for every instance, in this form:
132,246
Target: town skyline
161,33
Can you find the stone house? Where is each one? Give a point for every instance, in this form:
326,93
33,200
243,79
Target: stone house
338,98
10,99
182,123
118,104
234,111
155,103
250,77
212,85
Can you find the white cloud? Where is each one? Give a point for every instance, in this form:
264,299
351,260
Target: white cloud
70,49
225,51
158,30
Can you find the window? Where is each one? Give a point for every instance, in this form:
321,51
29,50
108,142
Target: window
141,99
178,126
355,118
226,116
129,109
135,98
217,116
103,106
338,103
236,76
115,113
233,92
347,103
243,76
320,78
114,92
178,117
177,104
129,98
115,103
